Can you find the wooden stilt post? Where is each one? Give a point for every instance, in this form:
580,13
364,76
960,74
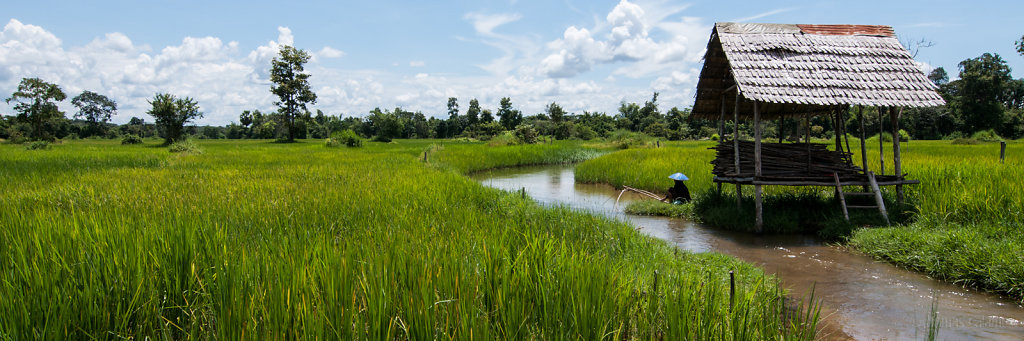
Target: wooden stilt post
837,130
721,135
736,147
846,136
782,122
894,116
721,121
839,138
758,209
807,139
863,144
881,147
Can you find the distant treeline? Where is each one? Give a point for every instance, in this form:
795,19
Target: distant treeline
984,101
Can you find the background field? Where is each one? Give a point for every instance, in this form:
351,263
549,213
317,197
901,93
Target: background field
251,239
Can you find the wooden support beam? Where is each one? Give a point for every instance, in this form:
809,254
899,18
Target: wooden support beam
807,139
863,144
736,148
894,116
758,209
721,122
841,196
878,197
782,120
837,130
846,136
817,183
881,147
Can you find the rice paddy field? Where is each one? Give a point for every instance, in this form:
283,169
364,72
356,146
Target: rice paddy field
963,223
257,240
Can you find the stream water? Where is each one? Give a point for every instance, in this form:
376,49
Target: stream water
861,298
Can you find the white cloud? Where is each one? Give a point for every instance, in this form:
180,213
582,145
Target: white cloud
628,39
222,79
329,52
638,48
763,15
486,23
517,51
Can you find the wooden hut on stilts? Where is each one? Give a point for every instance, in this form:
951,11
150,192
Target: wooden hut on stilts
759,72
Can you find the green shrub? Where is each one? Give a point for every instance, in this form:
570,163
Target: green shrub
131,139
505,138
715,137
987,136
965,141
186,146
585,133
526,134
382,138
15,136
626,139
349,138
37,145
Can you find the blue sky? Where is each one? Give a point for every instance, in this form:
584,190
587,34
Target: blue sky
585,55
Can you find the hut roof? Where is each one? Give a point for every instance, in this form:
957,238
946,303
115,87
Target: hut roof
799,69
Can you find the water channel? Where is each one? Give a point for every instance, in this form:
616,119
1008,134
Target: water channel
861,298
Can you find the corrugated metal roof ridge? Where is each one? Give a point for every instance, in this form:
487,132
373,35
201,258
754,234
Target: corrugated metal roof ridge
816,29
846,30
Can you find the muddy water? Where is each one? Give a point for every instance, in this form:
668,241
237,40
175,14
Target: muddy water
861,298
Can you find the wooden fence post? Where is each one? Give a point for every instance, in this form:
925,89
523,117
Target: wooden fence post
1002,151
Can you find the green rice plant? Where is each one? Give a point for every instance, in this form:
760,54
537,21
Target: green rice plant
658,208
471,157
257,240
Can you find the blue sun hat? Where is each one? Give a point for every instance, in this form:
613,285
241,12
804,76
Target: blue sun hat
678,177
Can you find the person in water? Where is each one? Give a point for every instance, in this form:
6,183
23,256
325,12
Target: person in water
678,192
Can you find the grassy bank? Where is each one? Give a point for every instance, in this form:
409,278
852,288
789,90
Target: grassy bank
970,225
471,157
963,222
256,240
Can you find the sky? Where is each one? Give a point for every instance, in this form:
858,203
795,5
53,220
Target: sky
584,55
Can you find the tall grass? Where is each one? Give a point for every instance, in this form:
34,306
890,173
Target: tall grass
255,240
471,157
964,222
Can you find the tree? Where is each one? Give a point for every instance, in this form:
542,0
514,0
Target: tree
96,109
36,105
555,112
473,113
486,116
509,118
245,118
291,85
172,113
1020,46
939,76
981,91
453,117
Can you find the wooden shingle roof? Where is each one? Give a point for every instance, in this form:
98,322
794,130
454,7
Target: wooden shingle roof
796,69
